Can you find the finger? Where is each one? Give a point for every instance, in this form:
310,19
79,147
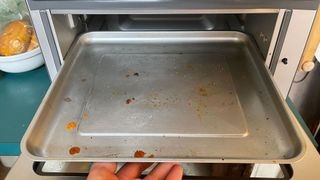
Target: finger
132,170
175,173
102,171
160,171
111,167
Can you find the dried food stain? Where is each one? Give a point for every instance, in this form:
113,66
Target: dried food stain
83,80
130,100
132,73
85,115
202,92
71,125
74,150
67,99
154,100
139,154
200,108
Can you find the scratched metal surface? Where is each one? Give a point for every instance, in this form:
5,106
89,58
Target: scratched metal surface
179,95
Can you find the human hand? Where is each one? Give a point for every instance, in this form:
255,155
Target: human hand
107,171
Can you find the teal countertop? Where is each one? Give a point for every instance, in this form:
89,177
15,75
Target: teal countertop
20,96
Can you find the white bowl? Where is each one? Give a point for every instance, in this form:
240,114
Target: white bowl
22,62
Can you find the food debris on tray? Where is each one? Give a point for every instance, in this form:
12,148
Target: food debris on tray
83,80
67,99
131,73
130,100
202,91
71,125
141,154
74,150
85,115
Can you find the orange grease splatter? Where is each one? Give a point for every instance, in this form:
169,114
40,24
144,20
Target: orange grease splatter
71,125
139,154
74,150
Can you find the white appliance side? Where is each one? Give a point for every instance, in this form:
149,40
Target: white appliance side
292,49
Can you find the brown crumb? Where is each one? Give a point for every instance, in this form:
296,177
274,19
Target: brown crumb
151,156
84,80
128,101
67,99
136,74
74,150
202,92
139,154
71,125
85,115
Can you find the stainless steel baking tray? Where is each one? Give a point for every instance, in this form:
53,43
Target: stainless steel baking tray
177,96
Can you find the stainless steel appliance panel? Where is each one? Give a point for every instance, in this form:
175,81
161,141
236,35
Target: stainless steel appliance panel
163,5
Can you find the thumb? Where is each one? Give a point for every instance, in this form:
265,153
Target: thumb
103,171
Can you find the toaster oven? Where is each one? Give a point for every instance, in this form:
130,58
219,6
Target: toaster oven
182,81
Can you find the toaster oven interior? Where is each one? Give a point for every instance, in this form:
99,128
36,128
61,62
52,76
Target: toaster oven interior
260,27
